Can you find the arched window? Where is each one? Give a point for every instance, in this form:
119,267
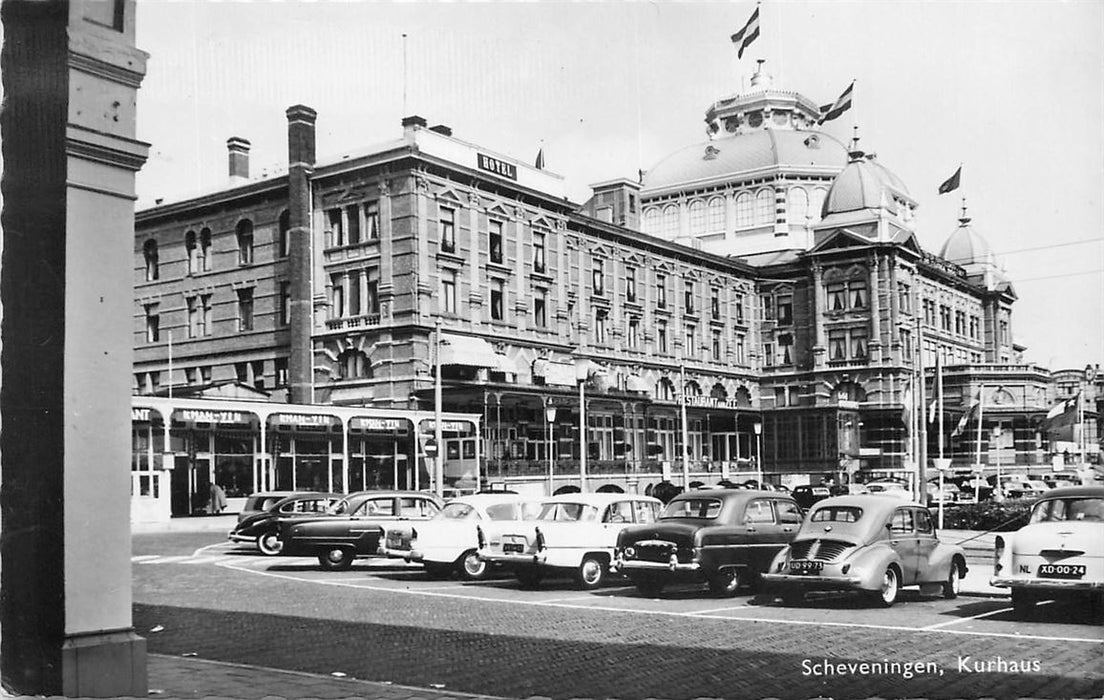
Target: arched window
849,391
149,252
692,388
718,392
282,240
816,203
664,390
798,207
353,364
745,215
245,242
715,215
205,250
191,246
697,218
670,227
764,207
651,221
743,397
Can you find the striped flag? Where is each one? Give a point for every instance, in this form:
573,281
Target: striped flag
743,38
841,105
967,416
951,183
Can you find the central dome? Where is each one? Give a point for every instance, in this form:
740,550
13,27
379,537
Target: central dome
763,150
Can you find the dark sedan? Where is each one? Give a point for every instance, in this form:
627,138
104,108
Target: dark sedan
259,527
355,526
723,537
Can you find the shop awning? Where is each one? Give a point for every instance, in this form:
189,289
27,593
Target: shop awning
560,374
505,364
468,351
635,382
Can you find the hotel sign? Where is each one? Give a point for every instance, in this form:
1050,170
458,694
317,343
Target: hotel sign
496,166
709,402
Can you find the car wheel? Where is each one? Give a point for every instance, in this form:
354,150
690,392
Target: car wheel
337,558
649,587
725,582
591,573
472,567
1023,602
953,584
437,571
269,544
528,576
886,595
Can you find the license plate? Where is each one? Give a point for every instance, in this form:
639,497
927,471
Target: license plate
805,567
511,548
1062,570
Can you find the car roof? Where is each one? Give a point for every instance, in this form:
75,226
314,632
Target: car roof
273,494
731,494
871,502
598,499
487,499
359,496
1075,492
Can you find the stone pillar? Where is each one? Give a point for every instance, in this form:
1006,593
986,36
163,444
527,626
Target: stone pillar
71,76
874,286
301,157
816,295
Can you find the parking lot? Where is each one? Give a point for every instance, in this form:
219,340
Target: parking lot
384,620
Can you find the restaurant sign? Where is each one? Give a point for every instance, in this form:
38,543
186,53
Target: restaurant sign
377,424
699,401
496,166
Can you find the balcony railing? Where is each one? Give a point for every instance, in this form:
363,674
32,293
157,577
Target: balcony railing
349,322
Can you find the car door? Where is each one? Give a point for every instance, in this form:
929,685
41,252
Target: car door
902,539
925,545
616,517
370,520
763,533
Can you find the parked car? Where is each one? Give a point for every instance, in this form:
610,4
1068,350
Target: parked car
574,533
723,538
450,542
973,490
1058,552
807,495
896,489
261,501
947,495
867,543
260,527
354,527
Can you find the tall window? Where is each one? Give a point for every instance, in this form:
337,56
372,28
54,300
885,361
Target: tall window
745,215
741,349
538,251
858,343
600,318
205,256
199,316
191,247
153,323
906,343
837,345
448,229
352,213
371,295
337,296
281,367
739,307
768,307
634,332
371,221
661,291
689,297
337,227
661,336
630,284
904,297
149,253
697,218
715,215
716,346
245,309
498,292
352,301
245,242
540,308
785,348
768,354
715,302
496,241
764,207
945,317
691,348
857,289
598,276
448,291
283,242
285,303
785,310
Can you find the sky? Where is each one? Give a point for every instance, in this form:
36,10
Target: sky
1011,90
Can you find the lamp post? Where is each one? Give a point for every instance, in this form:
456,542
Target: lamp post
582,369
758,427
549,419
998,491
685,431
439,465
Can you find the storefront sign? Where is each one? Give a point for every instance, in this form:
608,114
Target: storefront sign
709,402
448,426
199,416
379,424
498,167
302,419
140,415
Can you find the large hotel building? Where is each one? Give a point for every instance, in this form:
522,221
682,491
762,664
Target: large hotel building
755,304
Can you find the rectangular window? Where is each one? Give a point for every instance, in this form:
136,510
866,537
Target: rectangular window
153,324
661,336
904,297
857,290
739,308
448,291
353,301
598,276
945,317
837,297
337,296
540,311
858,344
190,375
258,374
498,291
352,212
538,251
741,349
371,221
245,309
630,284
193,317
661,291
691,348
281,371
906,343
715,302
785,348
285,303
241,371
371,299
837,345
208,321
689,297
768,306
600,317
768,354
496,241
634,333
448,229
205,374
716,346
785,310
337,227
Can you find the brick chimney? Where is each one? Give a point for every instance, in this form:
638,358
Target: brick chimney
238,152
301,156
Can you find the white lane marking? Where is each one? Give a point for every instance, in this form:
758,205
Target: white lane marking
171,559
666,613
144,557
976,617
217,545
721,610
199,560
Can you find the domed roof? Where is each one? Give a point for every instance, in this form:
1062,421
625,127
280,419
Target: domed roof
757,150
860,185
966,246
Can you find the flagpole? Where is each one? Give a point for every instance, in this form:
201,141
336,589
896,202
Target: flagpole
1081,426
939,408
921,419
981,414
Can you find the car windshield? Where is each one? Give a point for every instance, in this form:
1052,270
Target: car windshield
458,511
704,508
836,514
341,507
1060,509
568,512
503,511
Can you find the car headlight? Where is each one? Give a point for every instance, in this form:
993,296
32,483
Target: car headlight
630,552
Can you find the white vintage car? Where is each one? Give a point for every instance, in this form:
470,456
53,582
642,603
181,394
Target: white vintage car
449,541
575,533
1058,552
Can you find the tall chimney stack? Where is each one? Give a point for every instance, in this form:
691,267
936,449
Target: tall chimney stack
301,157
238,151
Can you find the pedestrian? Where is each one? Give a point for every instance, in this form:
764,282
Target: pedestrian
218,499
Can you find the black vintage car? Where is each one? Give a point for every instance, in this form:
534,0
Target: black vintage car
725,538
259,526
354,526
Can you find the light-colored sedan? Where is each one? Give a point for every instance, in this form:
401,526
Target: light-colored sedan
449,542
574,534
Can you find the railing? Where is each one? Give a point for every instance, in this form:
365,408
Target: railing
362,321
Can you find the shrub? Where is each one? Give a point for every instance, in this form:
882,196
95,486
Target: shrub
1007,516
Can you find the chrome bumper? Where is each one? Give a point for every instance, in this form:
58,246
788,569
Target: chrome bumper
235,537
405,554
620,564
1046,583
843,582
502,559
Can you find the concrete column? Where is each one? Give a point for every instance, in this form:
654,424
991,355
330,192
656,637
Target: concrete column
874,350
816,295
301,156
71,76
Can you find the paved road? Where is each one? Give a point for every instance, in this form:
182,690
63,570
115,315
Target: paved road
386,622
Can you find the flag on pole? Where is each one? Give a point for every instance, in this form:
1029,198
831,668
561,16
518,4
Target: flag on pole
967,416
951,183
841,105
1063,414
743,38
539,164
932,409
906,405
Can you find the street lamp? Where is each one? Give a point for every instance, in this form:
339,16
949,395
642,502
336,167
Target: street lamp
998,492
549,419
582,371
439,464
758,427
